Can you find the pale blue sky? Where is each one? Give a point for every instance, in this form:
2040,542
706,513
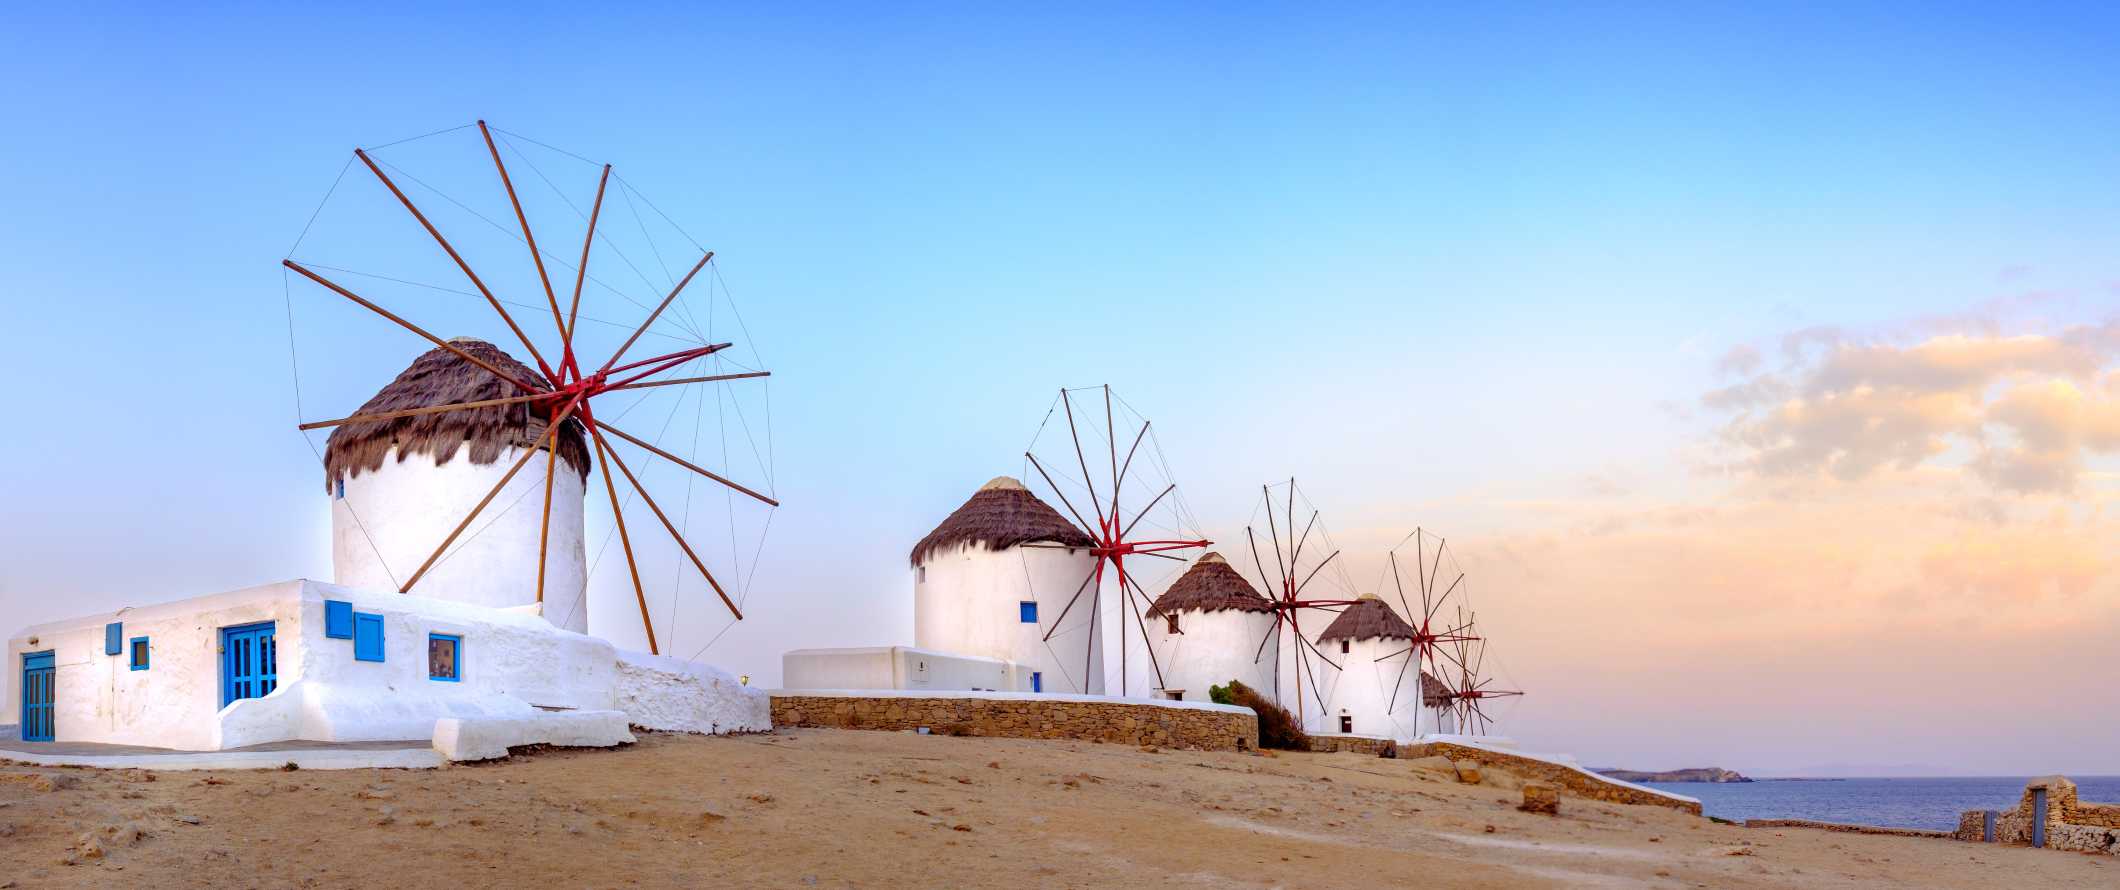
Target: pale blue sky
1435,263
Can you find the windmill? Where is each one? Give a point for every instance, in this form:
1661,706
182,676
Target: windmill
1423,650
1286,583
1121,494
564,394
1473,689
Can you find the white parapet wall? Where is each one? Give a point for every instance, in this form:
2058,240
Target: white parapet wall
899,667
512,665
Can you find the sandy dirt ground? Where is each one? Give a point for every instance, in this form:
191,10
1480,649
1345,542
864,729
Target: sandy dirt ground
830,808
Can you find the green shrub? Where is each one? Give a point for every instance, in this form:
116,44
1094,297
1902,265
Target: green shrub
1219,694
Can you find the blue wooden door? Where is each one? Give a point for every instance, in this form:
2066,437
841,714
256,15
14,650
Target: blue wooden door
250,662
37,697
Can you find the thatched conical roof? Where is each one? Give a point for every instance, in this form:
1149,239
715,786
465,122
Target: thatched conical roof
1211,585
1369,618
1434,693
441,377
1000,515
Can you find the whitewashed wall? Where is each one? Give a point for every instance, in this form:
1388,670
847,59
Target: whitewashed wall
898,667
966,603
172,704
392,518
1212,649
1363,689
511,662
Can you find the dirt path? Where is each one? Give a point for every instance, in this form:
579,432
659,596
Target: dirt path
857,809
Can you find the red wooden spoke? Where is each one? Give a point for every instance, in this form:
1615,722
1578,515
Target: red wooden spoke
1070,505
581,272
668,362
1095,572
544,527
1080,460
681,461
683,380
451,250
652,316
625,541
685,354
670,527
489,366
528,238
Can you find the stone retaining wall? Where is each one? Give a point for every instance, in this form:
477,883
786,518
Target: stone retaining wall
1853,829
1027,716
2071,824
1359,744
1571,780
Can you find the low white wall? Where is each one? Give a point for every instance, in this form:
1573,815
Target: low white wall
672,695
511,664
898,667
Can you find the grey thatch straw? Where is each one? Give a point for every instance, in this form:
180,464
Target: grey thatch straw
1000,515
1211,585
441,377
1434,693
1369,618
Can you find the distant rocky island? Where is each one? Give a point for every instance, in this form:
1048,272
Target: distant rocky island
1695,774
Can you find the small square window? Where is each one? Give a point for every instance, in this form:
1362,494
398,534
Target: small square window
139,653
1347,725
445,654
1027,611
1173,619
342,489
1037,681
1343,647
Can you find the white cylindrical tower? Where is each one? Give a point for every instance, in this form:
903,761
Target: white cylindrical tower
1367,695
979,590
398,487
1212,627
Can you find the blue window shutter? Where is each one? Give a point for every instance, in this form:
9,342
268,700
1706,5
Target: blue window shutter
338,619
1028,611
139,653
367,637
114,638
1037,681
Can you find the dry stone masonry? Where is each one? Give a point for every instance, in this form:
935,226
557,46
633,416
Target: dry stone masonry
1208,728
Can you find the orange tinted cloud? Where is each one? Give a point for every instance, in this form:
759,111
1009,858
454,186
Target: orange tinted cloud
2029,409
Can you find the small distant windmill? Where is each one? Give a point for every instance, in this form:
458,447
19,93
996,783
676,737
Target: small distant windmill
1473,689
1285,587
1117,511
1423,651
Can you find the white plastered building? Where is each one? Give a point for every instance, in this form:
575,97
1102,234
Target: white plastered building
1368,695
472,660
1210,627
989,584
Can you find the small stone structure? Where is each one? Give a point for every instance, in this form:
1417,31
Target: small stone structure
1541,799
1090,718
1565,777
2071,824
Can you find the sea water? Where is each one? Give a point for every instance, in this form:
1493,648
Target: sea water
1901,803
